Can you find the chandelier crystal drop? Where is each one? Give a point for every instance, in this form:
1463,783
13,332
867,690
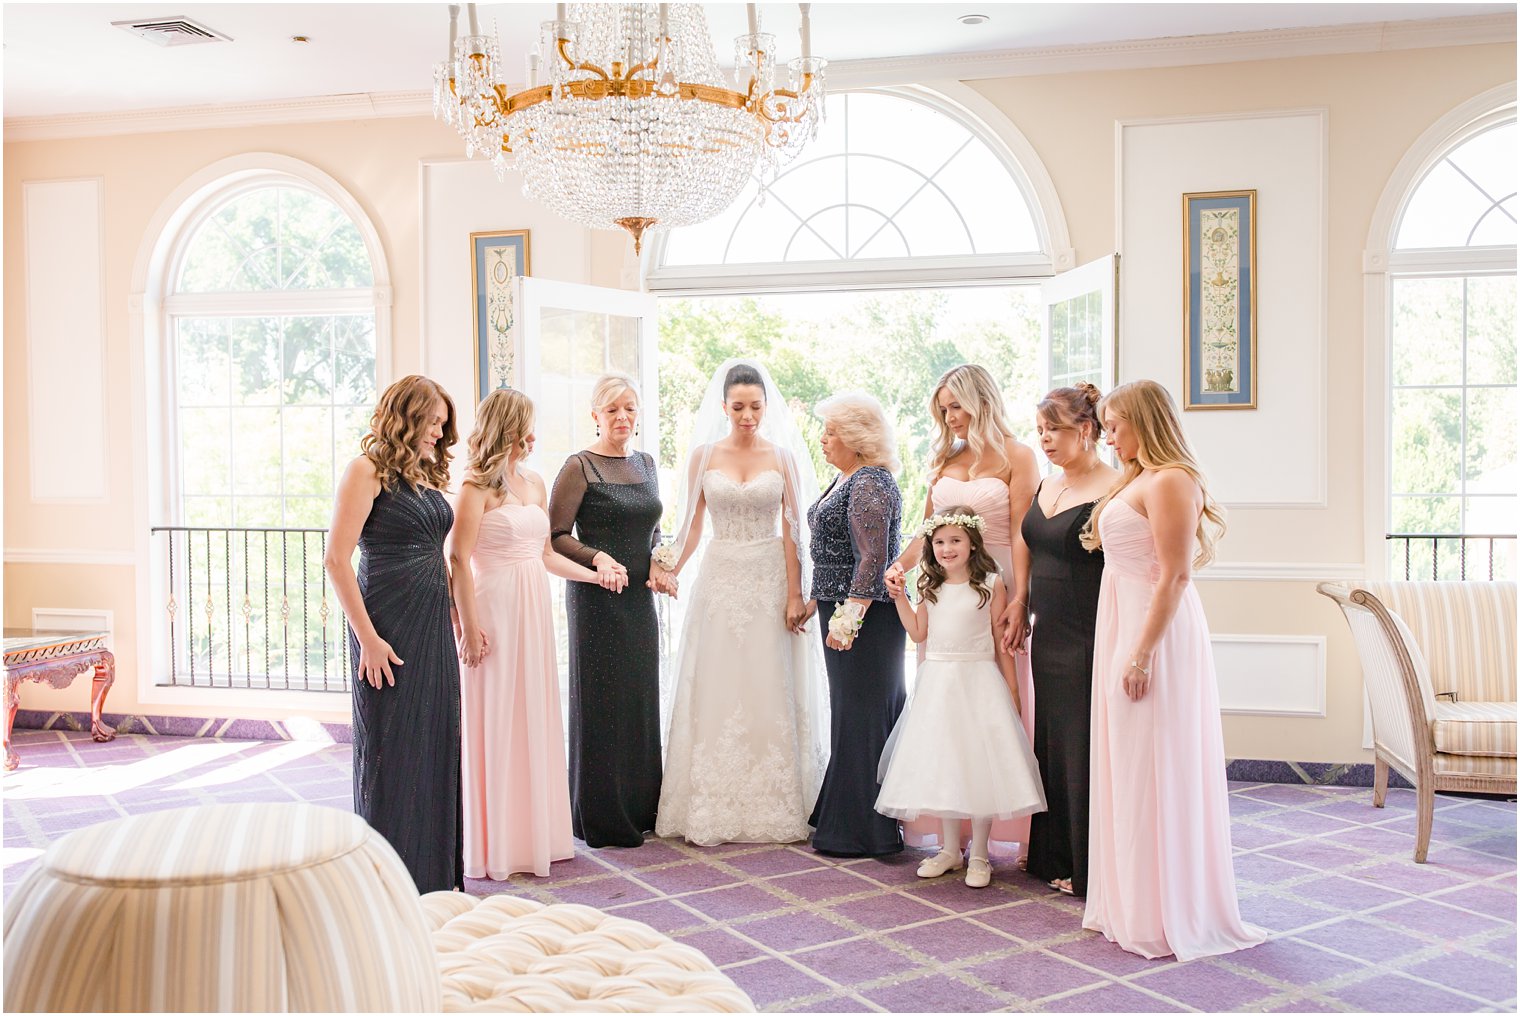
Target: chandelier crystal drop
626,120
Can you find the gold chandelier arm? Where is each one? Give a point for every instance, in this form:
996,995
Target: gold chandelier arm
563,48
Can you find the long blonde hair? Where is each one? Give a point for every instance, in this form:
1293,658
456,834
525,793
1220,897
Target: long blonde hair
1152,415
502,424
400,417
988,433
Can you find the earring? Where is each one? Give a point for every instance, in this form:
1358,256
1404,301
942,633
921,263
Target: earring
598,430
635,430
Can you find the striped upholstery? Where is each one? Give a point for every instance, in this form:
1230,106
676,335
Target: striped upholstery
1475,765
254,907
1467,632
509,954
1476,728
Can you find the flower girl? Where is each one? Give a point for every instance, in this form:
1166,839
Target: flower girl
959,750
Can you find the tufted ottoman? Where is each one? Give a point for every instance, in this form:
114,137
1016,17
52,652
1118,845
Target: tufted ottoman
294,907
508,954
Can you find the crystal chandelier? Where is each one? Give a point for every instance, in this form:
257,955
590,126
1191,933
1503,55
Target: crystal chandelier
629,123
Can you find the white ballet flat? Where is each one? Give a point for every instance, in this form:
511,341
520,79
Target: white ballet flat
940,863
979,873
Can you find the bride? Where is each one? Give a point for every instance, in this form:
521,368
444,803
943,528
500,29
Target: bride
744,751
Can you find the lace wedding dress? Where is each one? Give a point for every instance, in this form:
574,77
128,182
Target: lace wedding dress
744,756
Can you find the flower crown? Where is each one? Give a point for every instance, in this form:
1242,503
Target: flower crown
933,522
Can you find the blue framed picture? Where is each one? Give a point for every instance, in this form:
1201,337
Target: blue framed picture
496,260
1219,299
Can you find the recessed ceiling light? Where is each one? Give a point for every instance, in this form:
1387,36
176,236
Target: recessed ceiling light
973,19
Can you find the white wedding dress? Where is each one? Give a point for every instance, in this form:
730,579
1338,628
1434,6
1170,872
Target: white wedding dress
744,755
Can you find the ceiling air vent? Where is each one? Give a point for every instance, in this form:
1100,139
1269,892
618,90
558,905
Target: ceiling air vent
170,31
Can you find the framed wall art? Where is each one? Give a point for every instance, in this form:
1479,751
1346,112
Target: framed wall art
496,259
1219,299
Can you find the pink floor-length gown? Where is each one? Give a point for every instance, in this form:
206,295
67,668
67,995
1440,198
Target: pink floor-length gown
516,791
1161,879
988,497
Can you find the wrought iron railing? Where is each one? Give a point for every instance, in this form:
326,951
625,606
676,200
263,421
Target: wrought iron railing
1452,556
249,608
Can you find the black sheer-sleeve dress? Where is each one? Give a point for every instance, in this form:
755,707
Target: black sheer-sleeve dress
854,538
406,736
605,503
1063,602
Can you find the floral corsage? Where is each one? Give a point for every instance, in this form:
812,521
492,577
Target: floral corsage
846,622
933,522
665,556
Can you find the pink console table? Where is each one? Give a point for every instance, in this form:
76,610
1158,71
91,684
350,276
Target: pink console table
56,658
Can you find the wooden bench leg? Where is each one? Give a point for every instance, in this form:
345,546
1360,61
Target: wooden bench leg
1379,781
100,685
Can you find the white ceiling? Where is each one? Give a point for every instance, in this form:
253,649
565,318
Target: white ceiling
63,58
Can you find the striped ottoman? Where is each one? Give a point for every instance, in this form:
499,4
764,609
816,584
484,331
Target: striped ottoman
232,907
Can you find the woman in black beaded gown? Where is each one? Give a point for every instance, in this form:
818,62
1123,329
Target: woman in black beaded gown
854,537
1058,580
405,670
605,514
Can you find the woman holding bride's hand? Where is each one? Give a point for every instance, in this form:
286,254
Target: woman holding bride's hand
744,754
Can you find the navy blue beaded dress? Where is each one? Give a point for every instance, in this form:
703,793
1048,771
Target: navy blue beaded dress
854,538
612,504
406,736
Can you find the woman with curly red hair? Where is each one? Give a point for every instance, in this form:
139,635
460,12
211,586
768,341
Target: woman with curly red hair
405,668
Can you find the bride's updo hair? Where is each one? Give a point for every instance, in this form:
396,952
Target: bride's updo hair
742,374
1069,408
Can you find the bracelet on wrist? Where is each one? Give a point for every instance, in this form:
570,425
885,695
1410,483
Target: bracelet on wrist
1135,665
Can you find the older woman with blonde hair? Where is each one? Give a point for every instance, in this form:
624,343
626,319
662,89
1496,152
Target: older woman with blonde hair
605,515
405,672
516,794
854,537
1160,878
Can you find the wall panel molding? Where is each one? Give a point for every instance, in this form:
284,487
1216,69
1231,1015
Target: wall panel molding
64,255
70,556
1281,571
1270,675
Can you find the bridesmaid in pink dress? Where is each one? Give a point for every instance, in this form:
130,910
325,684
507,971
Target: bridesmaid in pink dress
978,462
515,787
1161,880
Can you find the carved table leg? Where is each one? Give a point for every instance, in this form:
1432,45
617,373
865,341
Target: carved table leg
105,676
12,701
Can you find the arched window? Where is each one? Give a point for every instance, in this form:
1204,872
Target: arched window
1452,406
271,347
901,183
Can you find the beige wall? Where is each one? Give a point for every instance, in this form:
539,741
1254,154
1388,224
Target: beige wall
1378,105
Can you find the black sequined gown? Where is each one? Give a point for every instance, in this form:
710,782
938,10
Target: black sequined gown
1063,600
613,505
406,737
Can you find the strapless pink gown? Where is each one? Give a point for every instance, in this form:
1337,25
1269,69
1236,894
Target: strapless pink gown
516,790
1161,879
988,496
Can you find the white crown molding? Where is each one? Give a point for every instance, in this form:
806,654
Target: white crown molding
1229,47
51,555
1280,571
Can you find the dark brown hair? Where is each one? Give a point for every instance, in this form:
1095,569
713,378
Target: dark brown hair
931,574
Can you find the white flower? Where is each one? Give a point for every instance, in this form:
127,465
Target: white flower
935,521
665,556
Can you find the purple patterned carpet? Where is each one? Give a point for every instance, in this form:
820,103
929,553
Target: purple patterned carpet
1356,925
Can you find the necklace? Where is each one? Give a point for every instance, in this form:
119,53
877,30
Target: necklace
1071,481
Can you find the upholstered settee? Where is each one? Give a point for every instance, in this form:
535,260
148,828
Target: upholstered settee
1438,660
297,908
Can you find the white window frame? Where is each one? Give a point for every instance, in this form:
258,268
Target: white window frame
152,306
1382,263
988,124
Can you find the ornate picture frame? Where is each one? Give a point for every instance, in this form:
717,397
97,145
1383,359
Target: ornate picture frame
497,257
1219,286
